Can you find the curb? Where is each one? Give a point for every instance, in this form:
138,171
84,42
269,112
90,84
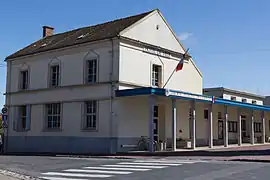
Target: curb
250,160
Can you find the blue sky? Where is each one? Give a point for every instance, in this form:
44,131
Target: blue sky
229,40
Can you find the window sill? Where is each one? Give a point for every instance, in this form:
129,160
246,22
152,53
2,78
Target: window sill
22,130
52,130
89,130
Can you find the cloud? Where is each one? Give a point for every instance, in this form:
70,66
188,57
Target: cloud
184,36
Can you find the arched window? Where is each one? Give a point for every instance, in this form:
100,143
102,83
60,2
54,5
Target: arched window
24,77
54,73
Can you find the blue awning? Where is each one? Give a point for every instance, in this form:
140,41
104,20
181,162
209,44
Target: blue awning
188,96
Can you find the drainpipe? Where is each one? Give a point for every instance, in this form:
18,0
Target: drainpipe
112,150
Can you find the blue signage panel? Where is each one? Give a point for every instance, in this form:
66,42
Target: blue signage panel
4,117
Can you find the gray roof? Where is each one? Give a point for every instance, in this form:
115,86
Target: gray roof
91,33
233,91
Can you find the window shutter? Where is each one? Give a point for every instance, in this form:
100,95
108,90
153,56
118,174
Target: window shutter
28,117
16,118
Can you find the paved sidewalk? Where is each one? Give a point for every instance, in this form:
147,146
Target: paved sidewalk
2,177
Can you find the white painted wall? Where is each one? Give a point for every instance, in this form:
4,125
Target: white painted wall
240,97
72,91
146,31
135,66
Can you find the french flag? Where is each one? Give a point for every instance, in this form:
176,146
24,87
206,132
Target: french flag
180,65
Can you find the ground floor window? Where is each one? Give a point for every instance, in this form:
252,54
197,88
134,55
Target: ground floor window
90,117
53,115
232,126
257,127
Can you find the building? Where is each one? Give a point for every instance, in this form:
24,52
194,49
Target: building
99,89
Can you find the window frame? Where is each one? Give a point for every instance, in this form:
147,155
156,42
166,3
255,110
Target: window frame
50,75
21,79
86,69
46,125
206,114
233,98
86,114
232,126
159,75
257,127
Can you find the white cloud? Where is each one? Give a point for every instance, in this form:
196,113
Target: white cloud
184,36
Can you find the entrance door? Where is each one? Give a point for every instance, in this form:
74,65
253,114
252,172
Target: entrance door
220,130
156,123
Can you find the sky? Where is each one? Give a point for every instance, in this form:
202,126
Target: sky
229,40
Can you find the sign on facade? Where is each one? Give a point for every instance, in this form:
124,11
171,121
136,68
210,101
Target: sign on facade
186,95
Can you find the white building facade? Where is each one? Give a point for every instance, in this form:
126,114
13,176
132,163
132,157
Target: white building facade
92,91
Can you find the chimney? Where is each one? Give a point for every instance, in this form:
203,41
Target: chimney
47,31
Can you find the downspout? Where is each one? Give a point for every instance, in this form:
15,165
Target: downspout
8,84
112,150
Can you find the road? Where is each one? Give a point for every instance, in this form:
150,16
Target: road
63,168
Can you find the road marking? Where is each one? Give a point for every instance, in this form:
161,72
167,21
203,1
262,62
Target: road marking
167,161
97,171
76,174
149,163
115,168
131,166
59,178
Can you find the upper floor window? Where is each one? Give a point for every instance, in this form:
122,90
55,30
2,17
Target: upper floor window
90,119
244,100
53,115
91,71
54,75
24,79
233,98
156,75
219,115
254,102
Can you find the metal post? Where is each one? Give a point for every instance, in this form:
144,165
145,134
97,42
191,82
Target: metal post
226,134
252,128
193,137
210,125
263,127
174,118
239,127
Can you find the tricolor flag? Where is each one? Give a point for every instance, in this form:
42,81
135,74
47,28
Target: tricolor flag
180,65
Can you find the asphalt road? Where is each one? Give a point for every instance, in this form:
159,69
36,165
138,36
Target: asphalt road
62,168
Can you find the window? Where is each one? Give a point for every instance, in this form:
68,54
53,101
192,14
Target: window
233,98
22,117
90,115
219,115
232,126
54,75
254,102
53,115
244,100
24,80
257,127
156,75
205,114
91,71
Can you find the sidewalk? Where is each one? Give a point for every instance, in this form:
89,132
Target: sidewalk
2,177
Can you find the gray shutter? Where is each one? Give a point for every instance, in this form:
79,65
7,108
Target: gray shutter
15,118
28,117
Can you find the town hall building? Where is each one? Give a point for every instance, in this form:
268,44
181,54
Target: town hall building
103,89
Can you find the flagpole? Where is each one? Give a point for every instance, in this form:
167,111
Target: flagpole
174,70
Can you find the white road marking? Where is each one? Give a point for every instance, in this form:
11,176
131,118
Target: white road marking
97,171
131,166
76,174
116,168
168,161
60,178
149,163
